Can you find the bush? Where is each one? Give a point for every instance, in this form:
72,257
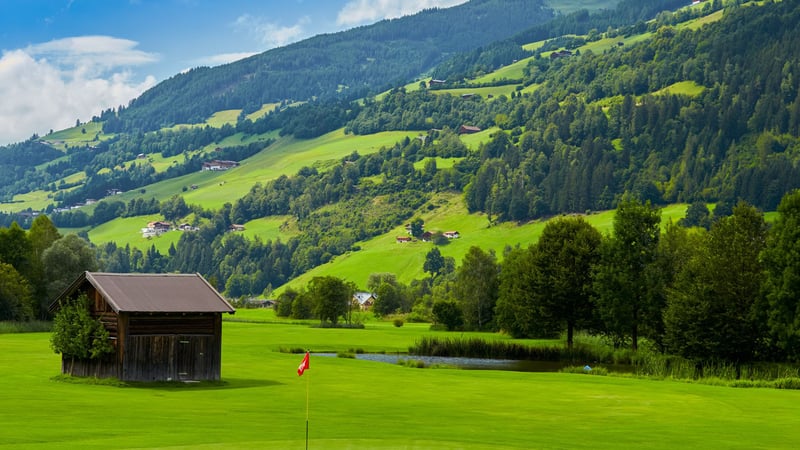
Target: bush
398,322
787,383
413,363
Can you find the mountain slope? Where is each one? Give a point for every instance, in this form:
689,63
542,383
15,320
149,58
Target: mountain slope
348,64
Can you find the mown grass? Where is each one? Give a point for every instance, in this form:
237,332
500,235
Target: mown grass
355,404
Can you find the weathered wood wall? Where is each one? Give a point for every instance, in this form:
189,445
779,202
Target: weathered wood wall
157,348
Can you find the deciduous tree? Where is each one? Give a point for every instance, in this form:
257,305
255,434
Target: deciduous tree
567,252
331,297
476,287
781,259
624,301
711,314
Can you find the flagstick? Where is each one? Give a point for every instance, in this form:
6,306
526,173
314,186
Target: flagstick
308,382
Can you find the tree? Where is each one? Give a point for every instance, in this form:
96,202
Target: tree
67,258
519,310
417,227
331,297
284,302
15,248
41,235
712,310
782,281
434,262
174,208
623,300
16,302
567,252
697,215
303,306
388,299
76,334
476,287
448,313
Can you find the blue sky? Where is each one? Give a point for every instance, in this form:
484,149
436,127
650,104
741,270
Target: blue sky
62,60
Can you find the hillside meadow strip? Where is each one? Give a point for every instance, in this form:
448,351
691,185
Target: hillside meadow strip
355,404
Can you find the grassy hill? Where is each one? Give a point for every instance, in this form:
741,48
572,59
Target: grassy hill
405,260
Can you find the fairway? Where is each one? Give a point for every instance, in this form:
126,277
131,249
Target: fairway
355,404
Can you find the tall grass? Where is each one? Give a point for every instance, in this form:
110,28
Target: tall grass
33,326
665,366
644,363
480,348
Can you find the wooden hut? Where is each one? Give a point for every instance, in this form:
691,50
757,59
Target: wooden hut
163,326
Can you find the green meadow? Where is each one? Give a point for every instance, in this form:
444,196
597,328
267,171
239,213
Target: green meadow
262,403
405,260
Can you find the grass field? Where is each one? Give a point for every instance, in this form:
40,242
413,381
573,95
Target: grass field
384,254
355,404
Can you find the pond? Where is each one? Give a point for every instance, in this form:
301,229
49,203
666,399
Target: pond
478,363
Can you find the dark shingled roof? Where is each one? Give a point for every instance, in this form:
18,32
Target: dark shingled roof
158,293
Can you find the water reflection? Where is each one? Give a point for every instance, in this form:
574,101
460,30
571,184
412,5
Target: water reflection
478,363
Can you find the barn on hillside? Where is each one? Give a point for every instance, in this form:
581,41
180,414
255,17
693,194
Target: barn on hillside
163,326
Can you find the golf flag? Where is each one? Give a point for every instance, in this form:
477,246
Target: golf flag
303,365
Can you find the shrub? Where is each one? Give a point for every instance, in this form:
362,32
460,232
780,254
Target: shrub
398,322
787,383
413,363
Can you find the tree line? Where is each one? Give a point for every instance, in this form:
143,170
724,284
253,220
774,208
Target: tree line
727,294
36,265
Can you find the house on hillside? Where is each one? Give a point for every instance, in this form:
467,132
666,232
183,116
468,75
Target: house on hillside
219,164
364,300
156,228
468,129
560,54
403,239
162,326
451,234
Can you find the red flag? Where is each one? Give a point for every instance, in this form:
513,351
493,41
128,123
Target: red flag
303,365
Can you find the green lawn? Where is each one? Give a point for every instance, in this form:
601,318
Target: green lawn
355,404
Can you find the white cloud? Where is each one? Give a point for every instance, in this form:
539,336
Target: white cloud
50,85
270,34
357,12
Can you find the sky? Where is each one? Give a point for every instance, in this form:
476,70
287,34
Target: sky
68,60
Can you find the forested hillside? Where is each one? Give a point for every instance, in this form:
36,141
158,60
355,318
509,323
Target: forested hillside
348,65
600,125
